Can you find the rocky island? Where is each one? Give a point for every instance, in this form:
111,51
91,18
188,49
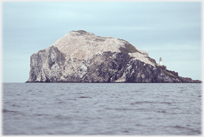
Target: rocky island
83,57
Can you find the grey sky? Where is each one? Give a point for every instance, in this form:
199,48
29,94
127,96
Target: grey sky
171,30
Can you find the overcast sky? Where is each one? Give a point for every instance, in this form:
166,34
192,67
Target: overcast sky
171,30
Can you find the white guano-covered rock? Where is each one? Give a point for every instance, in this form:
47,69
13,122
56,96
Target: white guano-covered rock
83,45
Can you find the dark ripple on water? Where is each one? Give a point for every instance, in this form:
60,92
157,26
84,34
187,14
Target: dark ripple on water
149,102
101,109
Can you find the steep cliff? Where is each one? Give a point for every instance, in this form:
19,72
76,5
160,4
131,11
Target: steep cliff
80,56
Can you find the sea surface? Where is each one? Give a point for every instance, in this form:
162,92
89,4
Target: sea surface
101,109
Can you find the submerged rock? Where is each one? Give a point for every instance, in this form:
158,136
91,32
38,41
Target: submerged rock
80,56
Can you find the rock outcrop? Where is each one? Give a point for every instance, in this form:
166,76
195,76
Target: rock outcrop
80,56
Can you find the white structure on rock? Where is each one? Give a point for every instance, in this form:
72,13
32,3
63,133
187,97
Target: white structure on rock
160,61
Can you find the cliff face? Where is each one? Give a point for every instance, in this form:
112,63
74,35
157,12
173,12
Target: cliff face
80,56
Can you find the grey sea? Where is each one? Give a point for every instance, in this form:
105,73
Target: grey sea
101,109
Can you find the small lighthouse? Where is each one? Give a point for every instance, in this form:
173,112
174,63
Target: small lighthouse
160,61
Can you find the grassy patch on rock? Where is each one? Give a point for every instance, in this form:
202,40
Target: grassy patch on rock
128,49
168,72
152,60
